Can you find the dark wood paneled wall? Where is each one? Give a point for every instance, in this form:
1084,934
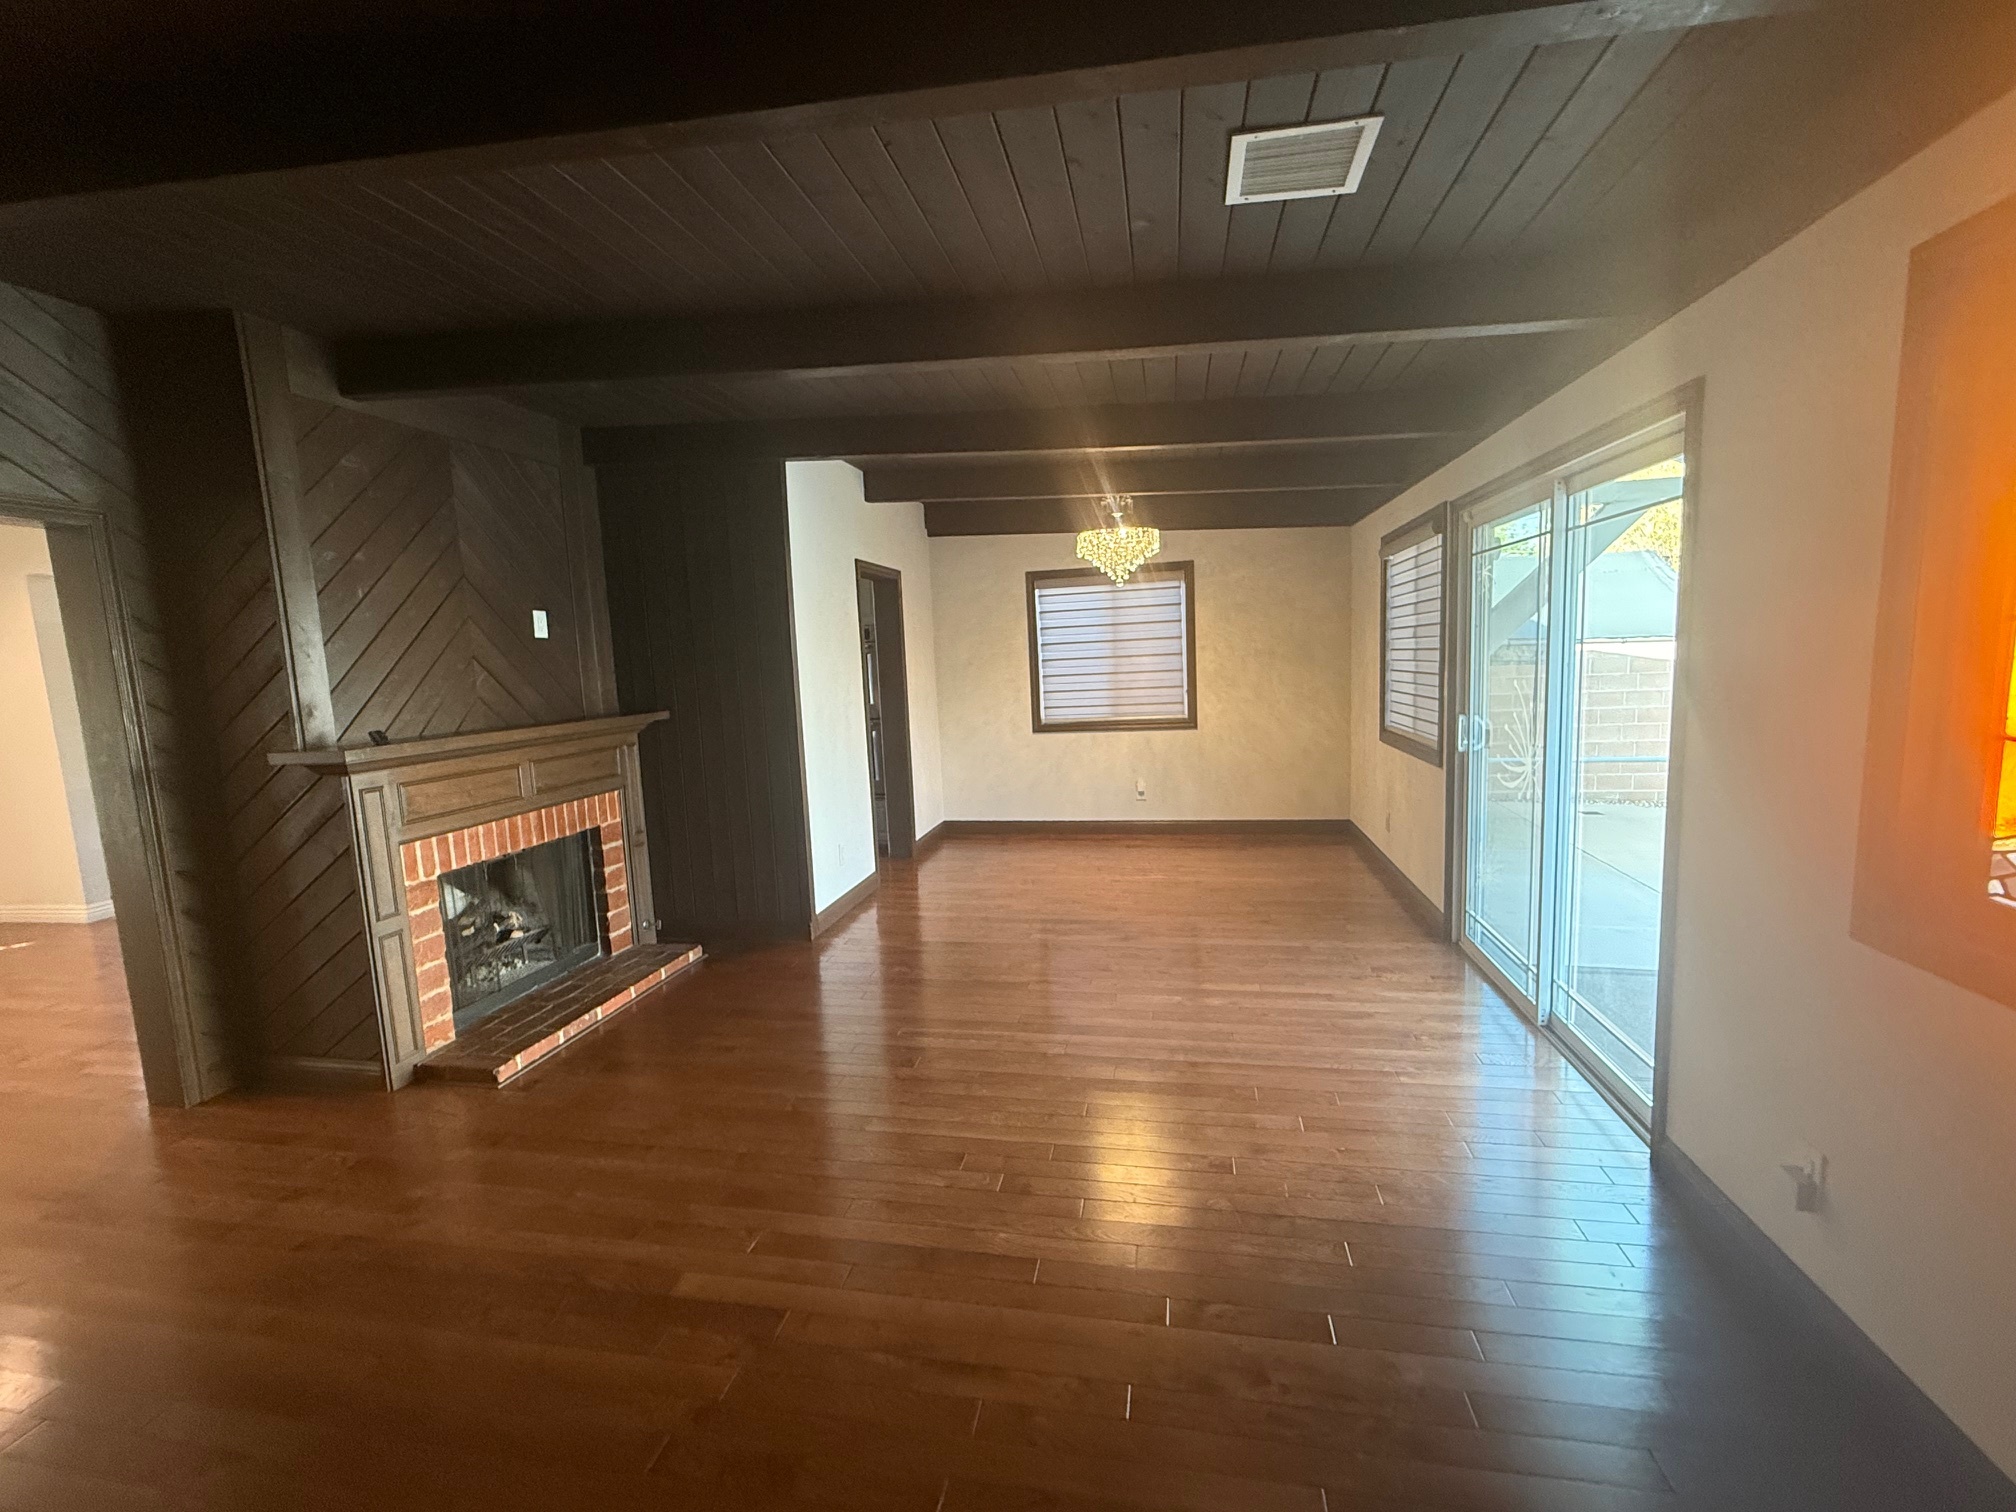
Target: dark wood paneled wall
336,572
279,871
699,580
429,557
65,458
429,553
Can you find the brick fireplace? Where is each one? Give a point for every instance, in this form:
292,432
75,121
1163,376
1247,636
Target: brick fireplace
426,815
423,861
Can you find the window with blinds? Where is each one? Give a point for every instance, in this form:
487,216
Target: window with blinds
1111,655
1410,672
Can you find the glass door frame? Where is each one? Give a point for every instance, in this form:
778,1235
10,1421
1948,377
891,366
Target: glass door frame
1505,500
1463,514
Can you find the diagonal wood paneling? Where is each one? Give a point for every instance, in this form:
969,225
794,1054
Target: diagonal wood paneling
278,873
425,557
295,914
430,556
512,532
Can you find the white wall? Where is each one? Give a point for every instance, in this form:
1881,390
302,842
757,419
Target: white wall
831,527
52,869
1786,1033
68,722
1272,737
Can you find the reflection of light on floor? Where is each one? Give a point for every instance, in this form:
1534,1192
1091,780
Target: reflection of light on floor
23,1354
1114,1120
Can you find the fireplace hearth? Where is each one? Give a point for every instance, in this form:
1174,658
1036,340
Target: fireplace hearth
518,922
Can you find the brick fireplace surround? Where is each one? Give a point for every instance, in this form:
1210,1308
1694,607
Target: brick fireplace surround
423,861
420,808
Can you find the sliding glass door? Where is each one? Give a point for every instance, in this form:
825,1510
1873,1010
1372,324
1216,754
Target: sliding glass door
1504,735
1563,746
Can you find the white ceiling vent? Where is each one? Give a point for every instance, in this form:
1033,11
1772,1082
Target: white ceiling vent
1299,162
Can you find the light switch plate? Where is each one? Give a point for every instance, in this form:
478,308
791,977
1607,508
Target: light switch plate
539,631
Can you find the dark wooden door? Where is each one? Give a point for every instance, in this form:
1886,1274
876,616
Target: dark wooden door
872,690
886,696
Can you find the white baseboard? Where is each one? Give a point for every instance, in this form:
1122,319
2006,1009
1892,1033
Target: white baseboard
55,913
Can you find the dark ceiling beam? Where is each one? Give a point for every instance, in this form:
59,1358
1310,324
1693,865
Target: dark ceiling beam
97,98
1251,502
1379,467
1378,415
1430,302
1190,511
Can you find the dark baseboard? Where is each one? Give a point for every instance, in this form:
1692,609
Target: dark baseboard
1144,826
1965,1476
319,1073
845,904
928,842
1426,911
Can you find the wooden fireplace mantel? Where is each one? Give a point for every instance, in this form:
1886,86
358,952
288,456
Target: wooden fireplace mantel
407,791
617,728
431,786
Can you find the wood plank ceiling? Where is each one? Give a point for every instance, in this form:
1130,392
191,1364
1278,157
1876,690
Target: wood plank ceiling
1625,167
1126,189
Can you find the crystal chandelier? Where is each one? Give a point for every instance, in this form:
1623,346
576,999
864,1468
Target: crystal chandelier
1118,549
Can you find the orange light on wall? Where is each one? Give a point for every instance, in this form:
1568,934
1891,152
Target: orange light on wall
2002,852
1935,857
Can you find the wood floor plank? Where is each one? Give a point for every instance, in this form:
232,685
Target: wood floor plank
1090,1176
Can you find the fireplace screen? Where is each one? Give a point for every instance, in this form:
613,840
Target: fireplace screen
518,922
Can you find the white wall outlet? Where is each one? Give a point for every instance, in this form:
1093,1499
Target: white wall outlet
1140,789
1809,1180
539,630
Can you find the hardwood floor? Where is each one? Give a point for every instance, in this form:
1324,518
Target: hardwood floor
1070,1174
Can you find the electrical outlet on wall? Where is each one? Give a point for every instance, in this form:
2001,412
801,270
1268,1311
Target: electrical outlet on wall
539,627
1140,789
1809,1180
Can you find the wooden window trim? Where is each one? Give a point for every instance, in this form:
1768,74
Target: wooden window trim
1184,570
1428,523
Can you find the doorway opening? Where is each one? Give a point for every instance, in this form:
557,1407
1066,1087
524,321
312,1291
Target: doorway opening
885,688
1567,606
59,952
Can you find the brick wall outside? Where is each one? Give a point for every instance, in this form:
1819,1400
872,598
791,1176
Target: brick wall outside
1627,718
425,860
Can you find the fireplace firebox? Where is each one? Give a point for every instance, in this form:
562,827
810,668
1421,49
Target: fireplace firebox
519,921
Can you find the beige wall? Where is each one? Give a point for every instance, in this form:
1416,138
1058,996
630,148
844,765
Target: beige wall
1396,797
1273,630
1787,1034
41,877
832,528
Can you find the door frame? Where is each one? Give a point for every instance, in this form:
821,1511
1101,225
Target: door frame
891,651
1688,402
125,781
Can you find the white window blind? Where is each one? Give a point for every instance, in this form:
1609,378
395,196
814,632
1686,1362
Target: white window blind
1412,676
1110,653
